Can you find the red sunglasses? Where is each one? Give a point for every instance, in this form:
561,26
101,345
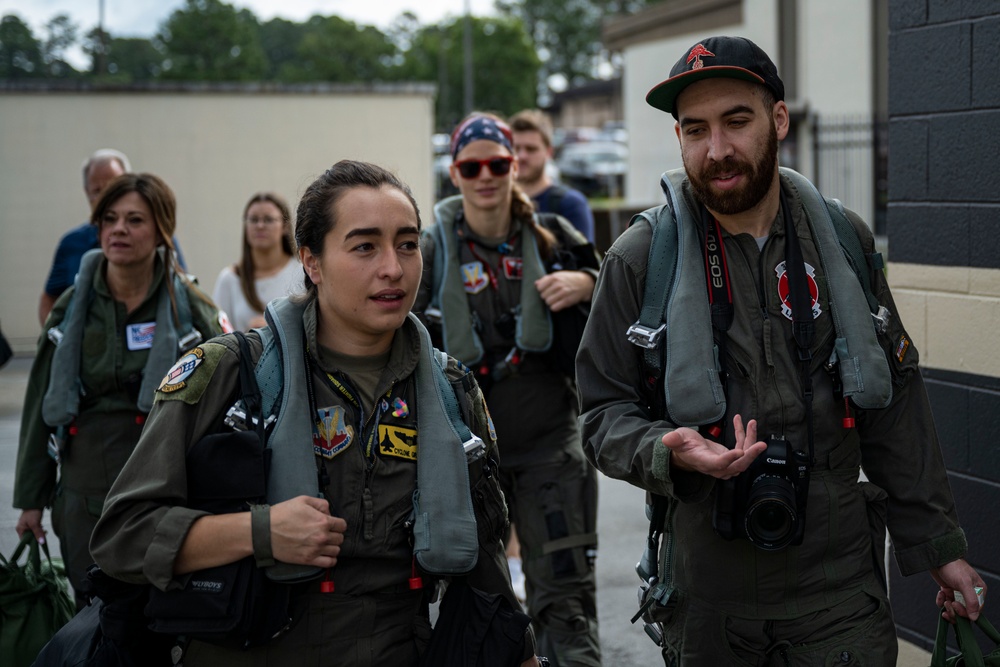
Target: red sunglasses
498,166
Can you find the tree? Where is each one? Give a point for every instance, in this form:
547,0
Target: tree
279,39
338,50
568,32
61,35
127,59
505,66
20,52
209,40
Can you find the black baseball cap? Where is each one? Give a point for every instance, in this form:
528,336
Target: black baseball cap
730,57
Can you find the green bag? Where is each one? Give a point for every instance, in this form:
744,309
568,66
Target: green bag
34,602
969,653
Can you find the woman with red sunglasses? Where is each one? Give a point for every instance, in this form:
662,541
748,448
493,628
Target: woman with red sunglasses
507,292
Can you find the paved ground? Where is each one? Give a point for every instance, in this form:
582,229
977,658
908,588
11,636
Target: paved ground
621,521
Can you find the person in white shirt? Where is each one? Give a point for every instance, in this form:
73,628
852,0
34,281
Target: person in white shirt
267,268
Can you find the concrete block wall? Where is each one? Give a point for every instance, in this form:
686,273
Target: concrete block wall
944,249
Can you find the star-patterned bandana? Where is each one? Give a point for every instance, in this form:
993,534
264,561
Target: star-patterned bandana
481,127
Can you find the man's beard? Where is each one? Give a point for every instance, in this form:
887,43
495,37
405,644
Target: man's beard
529,178
759,173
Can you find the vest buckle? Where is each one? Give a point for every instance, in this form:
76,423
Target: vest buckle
190,340
645,337
55,335
475,448
881,319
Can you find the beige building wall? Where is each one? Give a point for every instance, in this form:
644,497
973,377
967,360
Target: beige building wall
952,313
214,147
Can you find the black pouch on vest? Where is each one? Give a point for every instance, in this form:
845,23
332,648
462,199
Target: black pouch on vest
233,605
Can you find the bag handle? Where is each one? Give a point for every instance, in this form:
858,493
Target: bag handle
28,542
967,646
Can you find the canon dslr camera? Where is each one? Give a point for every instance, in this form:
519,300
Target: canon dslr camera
766,503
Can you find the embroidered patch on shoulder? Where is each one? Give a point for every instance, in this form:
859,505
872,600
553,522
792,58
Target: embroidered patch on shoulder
489,423
902,348
176,377
188,378
397,441
474,277
331,432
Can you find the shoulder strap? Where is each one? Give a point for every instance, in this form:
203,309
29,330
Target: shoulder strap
856,257
249,388
187,335
268,373
550,220
660,269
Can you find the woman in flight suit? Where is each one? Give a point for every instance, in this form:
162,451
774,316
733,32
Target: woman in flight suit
110,338
351,343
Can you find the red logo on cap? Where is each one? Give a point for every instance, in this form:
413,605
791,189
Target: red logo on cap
696,54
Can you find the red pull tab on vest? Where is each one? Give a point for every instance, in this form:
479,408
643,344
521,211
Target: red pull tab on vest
715,430
140,420
416,583
326,586
848,419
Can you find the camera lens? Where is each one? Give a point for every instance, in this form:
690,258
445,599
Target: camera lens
771,516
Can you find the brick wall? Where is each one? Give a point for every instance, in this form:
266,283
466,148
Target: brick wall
944,246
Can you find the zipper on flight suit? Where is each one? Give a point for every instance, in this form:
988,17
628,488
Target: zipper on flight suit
766,325
365,424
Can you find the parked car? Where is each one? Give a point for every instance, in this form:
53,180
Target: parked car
594,167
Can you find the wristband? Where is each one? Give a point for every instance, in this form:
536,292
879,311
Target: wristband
260,535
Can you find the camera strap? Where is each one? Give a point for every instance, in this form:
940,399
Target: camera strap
720,298
803,322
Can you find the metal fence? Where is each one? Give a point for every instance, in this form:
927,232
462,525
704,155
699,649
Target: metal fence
850,162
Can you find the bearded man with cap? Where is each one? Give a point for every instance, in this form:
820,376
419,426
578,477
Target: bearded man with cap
773,380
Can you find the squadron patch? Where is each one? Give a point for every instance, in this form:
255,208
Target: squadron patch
783,294
187,380
176,378
397,441
331,432
474,277
513,268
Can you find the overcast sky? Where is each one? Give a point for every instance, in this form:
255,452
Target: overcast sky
142,18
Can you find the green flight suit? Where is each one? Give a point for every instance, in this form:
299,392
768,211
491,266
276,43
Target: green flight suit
372,618
731,598
108,424
549,484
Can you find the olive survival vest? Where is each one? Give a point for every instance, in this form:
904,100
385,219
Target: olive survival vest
444,523
62,398
534,331
675,327
682,349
